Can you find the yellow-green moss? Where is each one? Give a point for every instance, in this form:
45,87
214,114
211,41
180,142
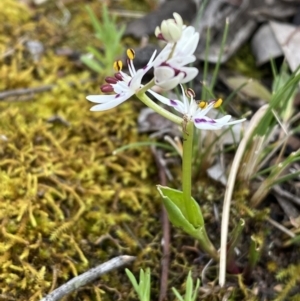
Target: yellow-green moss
61,189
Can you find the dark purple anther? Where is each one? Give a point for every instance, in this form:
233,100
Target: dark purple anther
173,103
118,76
111,80
106,88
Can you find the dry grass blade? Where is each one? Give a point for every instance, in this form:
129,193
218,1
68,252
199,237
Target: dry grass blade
229,190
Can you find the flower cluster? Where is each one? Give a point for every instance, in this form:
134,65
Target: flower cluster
170,69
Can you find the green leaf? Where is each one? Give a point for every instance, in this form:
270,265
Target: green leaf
176,197
95,53
176,293
189,287
173,202
96,24
133,281
177,218
146,286
91,63
195,294
109,35
190,293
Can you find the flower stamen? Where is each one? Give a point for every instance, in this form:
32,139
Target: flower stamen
118,65
218,103
106,88
118,76
190,93
202,104
130,53
111,80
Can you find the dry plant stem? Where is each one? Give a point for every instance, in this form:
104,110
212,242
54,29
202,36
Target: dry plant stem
21,92
283,193
165,262
281,228
286,195
229,190
88,277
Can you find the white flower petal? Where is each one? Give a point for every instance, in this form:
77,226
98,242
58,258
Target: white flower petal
171,83
178,19
162,56
151,62
223,120
136,80
120,87
101,98
176,104
236,121
205,123
111,104
126,77
190,73
186,103
163,73
175,32
191,45
181,61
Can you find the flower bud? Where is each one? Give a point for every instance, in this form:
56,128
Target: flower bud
171,29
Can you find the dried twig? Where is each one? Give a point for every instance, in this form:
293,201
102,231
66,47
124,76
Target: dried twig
31,91
285,194
21,92
281,228
165,262
88,277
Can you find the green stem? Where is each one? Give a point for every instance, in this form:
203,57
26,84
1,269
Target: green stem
206,245
158,109
187,154
146,87
191,211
